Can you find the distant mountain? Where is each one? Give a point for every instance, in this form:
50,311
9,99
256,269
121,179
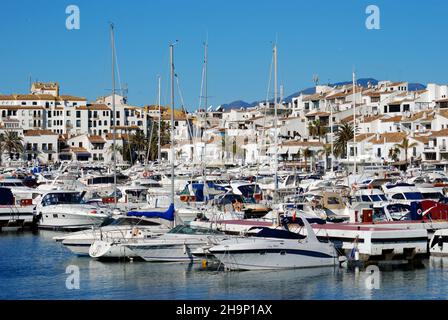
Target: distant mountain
364,82
416,86
236,105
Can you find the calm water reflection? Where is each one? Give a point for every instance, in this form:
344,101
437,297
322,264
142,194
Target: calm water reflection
33,267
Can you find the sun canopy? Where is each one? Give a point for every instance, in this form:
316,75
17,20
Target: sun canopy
167,215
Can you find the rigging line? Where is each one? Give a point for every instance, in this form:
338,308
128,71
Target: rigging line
118,69
263,140
152,127
183,105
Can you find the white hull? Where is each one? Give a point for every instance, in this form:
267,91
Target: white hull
70,220
79,242
168,252
271,254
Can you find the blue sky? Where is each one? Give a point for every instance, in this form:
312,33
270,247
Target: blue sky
328,38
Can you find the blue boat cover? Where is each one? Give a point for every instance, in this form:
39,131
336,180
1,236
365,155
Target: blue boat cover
6,197
167,215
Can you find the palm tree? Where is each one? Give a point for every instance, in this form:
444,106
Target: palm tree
138,142
394,153
405,145
118,148
12,143
164,138
317,129
325,153
307,153
2,139
344,134
297,155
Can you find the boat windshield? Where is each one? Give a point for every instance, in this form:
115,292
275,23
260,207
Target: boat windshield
128,221
248,191
413,196
189,230
378,197
11,184
432,195
61,198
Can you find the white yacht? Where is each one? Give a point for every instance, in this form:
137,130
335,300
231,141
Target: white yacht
121,229
60,209
14,214
275,249
178,245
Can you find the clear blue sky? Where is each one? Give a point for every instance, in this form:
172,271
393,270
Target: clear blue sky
327,38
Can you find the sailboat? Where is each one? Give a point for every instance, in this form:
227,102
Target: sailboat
107,249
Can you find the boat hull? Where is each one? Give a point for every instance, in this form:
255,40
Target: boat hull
271,255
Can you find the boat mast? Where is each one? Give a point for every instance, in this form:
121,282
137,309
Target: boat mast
205,112
354,124
113,113
159,150
172,122
331,134
275,124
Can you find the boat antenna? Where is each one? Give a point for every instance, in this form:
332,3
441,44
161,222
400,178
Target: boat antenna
172,121
113,113
354,124
275,124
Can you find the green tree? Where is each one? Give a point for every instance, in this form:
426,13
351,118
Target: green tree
138,142
12,143
317,129
165,138
118,149
406,145
307,153
344,134
394,153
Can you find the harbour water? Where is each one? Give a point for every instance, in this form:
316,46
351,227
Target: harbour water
33,266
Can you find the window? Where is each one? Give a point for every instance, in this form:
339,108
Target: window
378,152
394,108
406,107
78,114
398,196
80,144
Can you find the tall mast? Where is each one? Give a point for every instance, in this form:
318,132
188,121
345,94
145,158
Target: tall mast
354,124
205,75
172,121
159,150
205,108
332,138
113,113
275,124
